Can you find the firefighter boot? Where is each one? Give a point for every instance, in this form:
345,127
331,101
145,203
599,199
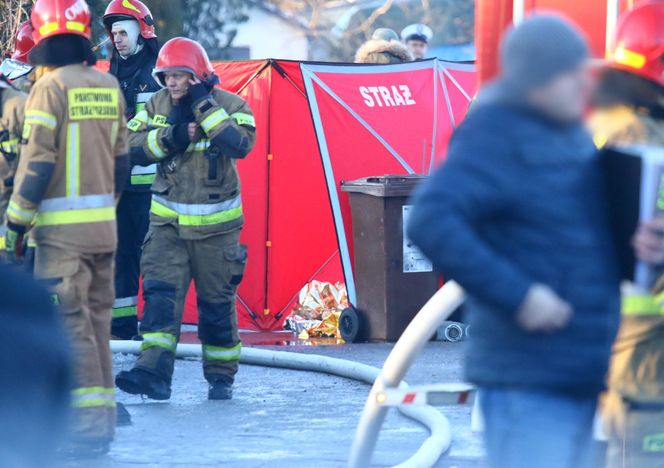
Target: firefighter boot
123,418
220,389
141,382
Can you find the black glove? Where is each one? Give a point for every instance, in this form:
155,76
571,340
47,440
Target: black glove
181,138
197,92
14,245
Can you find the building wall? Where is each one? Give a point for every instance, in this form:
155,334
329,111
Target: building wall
268,36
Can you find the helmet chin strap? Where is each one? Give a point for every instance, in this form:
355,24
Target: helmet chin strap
133,30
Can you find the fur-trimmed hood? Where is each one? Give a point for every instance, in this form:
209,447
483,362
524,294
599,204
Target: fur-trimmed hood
377,51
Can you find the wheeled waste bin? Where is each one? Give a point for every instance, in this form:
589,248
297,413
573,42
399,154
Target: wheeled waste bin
393,279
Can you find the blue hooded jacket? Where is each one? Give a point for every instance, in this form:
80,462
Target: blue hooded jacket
520,201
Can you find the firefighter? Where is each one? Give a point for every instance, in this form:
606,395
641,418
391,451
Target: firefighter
17,68
130,25
196,133
417,37
74,159
12,103
630,111
17,71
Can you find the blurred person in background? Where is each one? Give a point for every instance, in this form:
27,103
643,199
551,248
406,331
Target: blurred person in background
130,26
34,373
629,111
417,37
19,78
12,104
383,48
17,68
517,216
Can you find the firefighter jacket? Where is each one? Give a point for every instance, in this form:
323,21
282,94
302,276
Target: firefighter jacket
197,188
12,104
74,153
637,364
137,83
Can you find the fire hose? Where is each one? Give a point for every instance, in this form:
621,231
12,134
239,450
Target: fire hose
439,307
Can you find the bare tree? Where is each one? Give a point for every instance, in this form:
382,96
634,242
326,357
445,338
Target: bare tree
452,21
12,14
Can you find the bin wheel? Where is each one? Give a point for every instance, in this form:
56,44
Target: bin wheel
352,326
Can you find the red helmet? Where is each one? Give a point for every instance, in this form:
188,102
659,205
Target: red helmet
24,42
181,53
55,17
639,43
132,9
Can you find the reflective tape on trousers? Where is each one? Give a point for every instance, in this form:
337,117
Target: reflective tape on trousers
219,353
93,397
162,340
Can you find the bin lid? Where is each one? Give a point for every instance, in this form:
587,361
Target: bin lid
384,186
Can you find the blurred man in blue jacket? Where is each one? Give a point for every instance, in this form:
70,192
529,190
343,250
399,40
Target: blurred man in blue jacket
517,217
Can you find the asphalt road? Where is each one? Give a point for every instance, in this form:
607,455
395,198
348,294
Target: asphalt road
283,418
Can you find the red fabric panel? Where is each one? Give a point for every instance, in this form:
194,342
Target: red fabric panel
492,17
301,228
404,105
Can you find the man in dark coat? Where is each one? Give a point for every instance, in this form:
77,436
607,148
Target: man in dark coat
517,217
131,27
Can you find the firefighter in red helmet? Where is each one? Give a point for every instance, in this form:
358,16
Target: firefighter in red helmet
130,26
74,159
196,133
17,67
630,111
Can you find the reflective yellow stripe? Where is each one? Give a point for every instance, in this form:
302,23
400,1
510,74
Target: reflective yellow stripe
35,117
73,159
114,133
219,353
143,179
93,215
129,311
48,28
162,211
198,215
125,307
92,397
630,58
642,305
10,146
244,119
153,144
75,26
162,340
139,119
200,145
214,119
20,214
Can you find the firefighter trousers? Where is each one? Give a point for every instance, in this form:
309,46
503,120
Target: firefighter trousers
169,263
133,219
82,286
